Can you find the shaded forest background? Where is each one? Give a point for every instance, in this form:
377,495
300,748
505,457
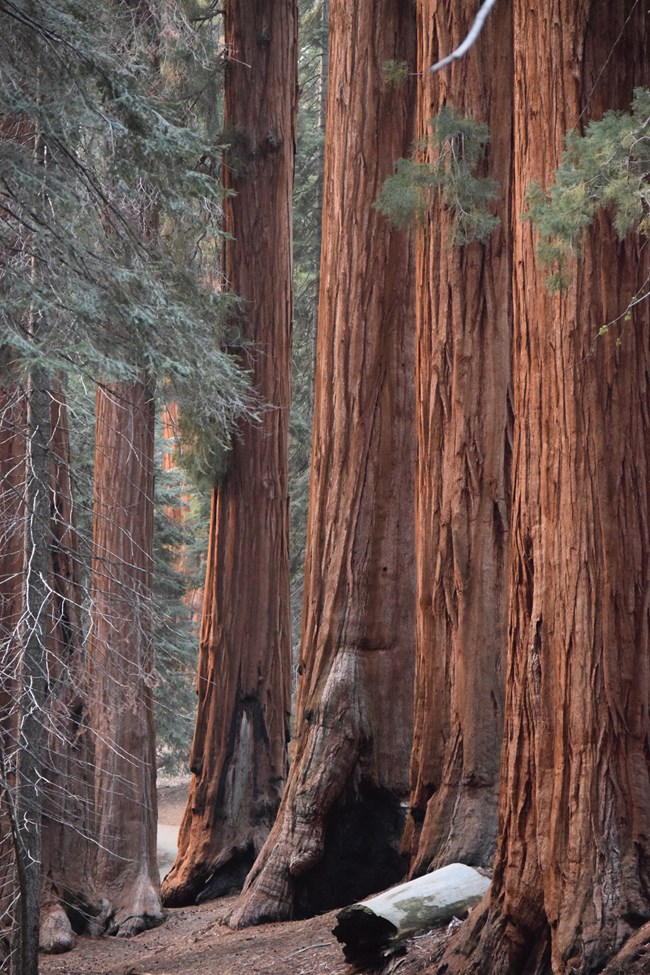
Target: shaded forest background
335,369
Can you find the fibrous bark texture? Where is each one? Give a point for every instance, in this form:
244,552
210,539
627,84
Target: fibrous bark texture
126,874
463,308
337,834
239,753
572,874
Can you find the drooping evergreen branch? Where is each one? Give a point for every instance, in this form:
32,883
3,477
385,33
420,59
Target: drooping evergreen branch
450,170
606,169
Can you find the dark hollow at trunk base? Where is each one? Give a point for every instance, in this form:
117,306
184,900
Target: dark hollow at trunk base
209,883
362,840
228,879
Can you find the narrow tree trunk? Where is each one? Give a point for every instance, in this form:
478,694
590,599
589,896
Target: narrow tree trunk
193,598
12,520
324,65
32,683
572,875
126,873
63,793
337,834
238,757
463,308
170,435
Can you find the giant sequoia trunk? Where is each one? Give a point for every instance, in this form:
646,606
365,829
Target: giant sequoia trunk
464,453
239,755
68,796
572,872
338,830
126,874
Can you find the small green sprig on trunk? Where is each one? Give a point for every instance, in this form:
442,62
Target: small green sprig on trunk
458,146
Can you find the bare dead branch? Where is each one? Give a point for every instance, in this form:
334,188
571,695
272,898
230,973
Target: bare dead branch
474,32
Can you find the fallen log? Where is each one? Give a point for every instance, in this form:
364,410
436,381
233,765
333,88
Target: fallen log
374,927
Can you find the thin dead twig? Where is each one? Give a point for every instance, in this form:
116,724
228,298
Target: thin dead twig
322,944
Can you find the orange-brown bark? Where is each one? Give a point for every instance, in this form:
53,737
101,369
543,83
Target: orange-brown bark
193,598
464,322
238,758
170,436
337,833
125,872
572,874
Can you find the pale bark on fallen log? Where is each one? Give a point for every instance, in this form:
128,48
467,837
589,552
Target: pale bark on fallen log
371,927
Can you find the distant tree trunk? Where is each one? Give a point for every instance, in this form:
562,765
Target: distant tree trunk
193,598
324,65
337,834
463,308
126,874
170,436
572,872
238,757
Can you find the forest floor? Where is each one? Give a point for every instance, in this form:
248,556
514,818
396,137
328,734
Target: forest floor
194,939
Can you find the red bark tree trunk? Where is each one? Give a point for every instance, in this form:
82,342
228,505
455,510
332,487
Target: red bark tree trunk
126,873
572,875
337,833
239,755
464,319
68,850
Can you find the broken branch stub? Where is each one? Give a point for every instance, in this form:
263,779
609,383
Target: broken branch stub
369,928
